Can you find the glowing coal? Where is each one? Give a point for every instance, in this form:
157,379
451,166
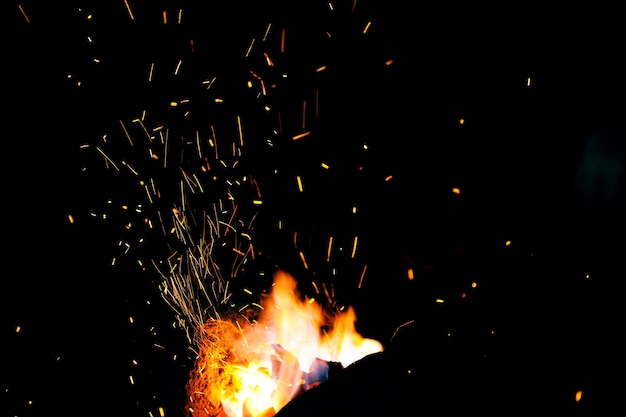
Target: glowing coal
253,368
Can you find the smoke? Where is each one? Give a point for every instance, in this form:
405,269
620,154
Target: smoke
599,184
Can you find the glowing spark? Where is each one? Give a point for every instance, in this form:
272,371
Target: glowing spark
18,329
306,266
388,178
130,12
456,190
330,246
299,181
325,165
109,160
250,47
320,69
367,27
461,121
362,276
268,59
19,6
301,135
579,395
354,245
317,103
164,17
400,327
410,275
240,131
126,133
282,41
267,31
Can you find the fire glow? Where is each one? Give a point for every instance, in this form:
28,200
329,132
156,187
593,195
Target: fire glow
252,368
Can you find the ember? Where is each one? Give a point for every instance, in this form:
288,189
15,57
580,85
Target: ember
248,368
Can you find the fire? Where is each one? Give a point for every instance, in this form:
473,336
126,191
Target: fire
252,368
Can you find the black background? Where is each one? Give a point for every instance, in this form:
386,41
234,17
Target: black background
547,312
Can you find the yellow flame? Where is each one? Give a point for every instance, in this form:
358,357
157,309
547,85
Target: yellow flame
254,368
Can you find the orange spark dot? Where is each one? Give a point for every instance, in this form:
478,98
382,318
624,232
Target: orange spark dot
461,121
507,243
456,190
410,274
389,62
579,395
388,178
18,329
70,218
320,69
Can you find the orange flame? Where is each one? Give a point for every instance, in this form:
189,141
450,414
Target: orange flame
252,369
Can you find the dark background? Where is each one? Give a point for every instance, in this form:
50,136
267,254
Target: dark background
539,165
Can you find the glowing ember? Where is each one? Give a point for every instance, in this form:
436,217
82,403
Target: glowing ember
249,368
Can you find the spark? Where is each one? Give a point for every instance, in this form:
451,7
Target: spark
578,396
330,246
302,258
178,65
354,246
126,132
282,41
360,285
130,12
299,182
301,135
19,6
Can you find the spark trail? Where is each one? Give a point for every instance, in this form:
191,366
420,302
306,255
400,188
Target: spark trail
191,176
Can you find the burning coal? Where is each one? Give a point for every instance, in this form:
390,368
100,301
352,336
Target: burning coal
249,368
